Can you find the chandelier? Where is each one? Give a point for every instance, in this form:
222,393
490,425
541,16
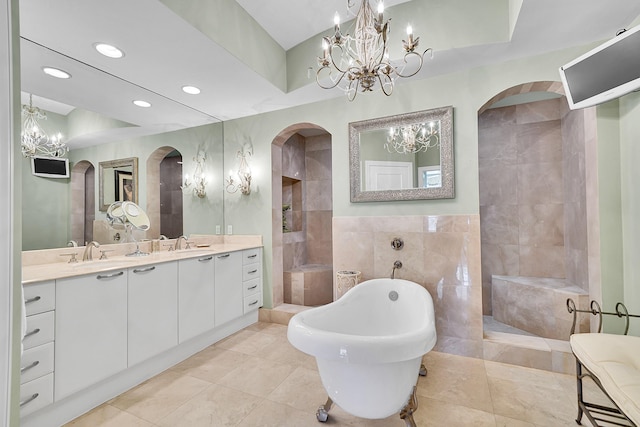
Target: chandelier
34,140
362,59
412,139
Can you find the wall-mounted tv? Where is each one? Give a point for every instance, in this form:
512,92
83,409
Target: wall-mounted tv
604,73
50,167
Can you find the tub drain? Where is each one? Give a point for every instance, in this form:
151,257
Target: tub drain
393,295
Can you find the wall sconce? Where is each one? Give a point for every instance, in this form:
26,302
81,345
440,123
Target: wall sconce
198,181
244,175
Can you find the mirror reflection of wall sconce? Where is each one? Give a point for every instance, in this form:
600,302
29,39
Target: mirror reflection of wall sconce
244,175
198,180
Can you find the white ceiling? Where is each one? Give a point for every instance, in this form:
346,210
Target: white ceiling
164,52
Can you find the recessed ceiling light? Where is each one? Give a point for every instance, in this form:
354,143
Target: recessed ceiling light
141,103
191,90
56,72
109,50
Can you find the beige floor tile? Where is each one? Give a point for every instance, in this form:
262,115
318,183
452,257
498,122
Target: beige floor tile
156,398
257,376
108,416
211,364
273,414
458,383
432,413
522,374
302,390
248,342
510,422
282,351
216,406
530,402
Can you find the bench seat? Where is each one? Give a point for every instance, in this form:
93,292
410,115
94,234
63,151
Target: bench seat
615,362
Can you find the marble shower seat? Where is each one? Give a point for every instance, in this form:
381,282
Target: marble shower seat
537,305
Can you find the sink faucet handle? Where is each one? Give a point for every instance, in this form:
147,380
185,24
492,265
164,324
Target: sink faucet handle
73,256
169,246
103,253
188,244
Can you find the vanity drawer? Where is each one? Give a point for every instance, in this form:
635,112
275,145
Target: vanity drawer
40,329
36,394
250,256
251,287
36,362
40,297
251,271
252,302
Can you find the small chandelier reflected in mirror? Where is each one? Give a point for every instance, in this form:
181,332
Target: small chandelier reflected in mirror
244,175
413,138
34,140
198,180
360,61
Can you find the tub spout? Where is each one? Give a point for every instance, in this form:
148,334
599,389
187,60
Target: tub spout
396,265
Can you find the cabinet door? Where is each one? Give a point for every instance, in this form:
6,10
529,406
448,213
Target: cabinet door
91,330
195,296
229,302
153,310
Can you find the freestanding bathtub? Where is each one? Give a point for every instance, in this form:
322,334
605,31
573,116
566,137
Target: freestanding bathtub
369,345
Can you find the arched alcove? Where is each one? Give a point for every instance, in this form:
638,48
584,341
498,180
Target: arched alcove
536,159
308,236
154,183
82,201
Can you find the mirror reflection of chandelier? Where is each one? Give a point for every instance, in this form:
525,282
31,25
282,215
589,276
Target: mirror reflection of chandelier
362,59
34,140
413,138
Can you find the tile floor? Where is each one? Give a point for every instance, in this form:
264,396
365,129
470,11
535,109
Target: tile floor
256,378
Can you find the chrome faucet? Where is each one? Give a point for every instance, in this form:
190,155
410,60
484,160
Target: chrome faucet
178,240
396,265
88,255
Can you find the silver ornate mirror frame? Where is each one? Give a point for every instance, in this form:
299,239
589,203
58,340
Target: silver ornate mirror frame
446,191
131,162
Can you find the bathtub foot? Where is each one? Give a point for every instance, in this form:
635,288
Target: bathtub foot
406,413
322,414
423,371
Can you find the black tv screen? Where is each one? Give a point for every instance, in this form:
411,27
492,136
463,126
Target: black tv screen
50,167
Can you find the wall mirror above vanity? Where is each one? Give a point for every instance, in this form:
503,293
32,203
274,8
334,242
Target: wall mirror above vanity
402,157
118,182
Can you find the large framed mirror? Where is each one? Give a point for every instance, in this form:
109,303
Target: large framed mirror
403,157
118,182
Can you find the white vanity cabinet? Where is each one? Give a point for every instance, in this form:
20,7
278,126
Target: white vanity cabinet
152,310
228,287
195,296
36,364
251,279
91,330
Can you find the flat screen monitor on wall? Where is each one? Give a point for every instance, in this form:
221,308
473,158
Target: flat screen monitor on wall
50,167
604,73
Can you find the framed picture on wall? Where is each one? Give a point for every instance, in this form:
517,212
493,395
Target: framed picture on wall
124,186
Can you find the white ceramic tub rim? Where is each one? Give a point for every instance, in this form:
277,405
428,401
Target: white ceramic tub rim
350,348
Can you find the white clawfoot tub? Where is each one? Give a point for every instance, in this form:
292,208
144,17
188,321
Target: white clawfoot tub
369,345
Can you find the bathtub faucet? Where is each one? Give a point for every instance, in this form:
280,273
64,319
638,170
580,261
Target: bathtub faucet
396,265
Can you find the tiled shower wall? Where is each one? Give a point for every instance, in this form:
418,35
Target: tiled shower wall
171,197
532,193
441,253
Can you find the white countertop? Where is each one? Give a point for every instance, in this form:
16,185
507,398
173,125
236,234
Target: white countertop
58,270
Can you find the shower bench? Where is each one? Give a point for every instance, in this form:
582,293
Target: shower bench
612,361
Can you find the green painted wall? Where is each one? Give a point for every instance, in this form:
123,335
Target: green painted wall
45,201
630,196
